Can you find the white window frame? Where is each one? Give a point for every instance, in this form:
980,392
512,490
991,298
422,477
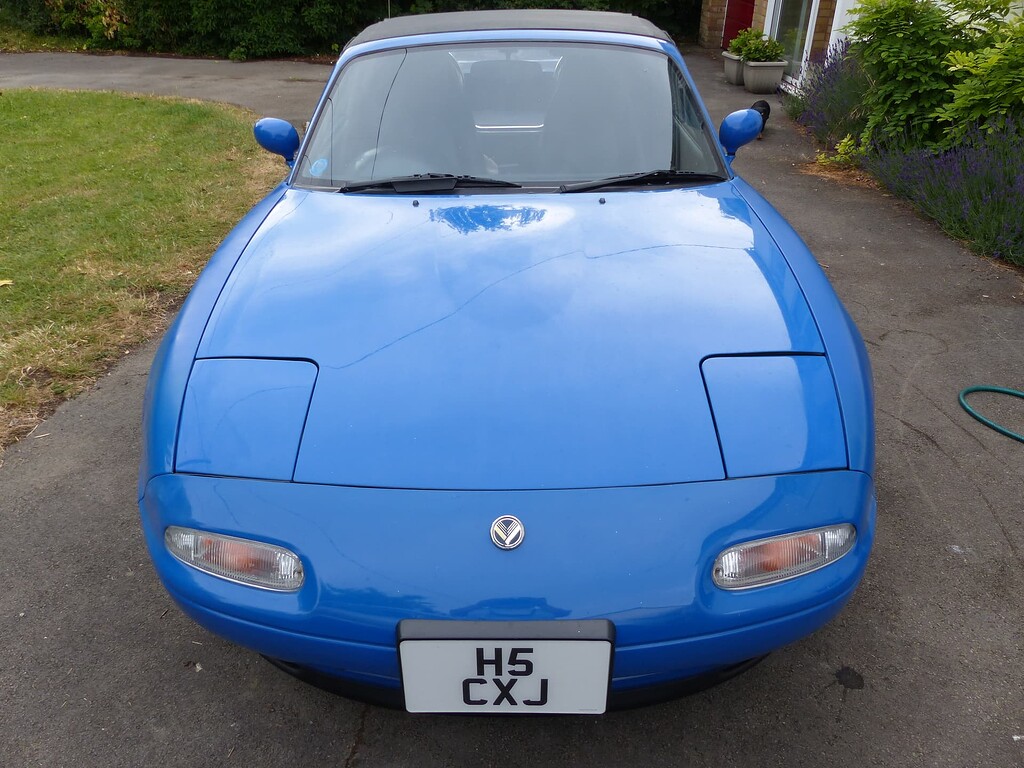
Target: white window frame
812,20
840,20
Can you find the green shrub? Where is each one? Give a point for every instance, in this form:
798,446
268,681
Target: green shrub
989,84
101,20
752,45
257,28
158,25
743,37
763,49
904,47
27,15
847,154
247,29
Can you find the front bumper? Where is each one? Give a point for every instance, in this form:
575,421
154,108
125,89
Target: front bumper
640,557
617,699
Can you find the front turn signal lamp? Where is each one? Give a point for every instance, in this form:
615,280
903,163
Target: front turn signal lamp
254,563
767,561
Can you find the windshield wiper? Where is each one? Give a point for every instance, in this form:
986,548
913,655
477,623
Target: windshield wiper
664,178
425,182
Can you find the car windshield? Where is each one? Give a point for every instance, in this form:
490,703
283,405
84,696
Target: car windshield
541,116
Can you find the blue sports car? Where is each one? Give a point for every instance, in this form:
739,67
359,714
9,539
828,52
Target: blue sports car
512,397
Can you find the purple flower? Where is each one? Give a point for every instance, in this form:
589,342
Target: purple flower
974,189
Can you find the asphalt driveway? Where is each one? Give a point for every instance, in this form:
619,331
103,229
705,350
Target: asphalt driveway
925,667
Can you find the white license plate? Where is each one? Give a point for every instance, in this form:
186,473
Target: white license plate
500,676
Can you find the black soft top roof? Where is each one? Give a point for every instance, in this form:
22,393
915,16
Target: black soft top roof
474,21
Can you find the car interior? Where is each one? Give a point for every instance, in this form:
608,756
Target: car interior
561,114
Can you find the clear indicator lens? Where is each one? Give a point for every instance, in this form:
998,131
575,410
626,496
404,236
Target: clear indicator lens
247,562
767,561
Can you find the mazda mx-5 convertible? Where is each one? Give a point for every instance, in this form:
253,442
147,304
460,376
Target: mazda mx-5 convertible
512,397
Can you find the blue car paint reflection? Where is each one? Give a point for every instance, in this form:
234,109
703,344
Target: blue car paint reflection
486,218
598,296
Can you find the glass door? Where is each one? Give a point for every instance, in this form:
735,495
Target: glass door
790,24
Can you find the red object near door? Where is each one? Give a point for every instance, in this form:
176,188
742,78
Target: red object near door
738,15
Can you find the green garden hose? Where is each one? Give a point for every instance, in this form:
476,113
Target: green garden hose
988,422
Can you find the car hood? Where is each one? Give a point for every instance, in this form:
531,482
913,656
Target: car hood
510,341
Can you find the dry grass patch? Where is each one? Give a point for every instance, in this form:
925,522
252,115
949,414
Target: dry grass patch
112,204
855,177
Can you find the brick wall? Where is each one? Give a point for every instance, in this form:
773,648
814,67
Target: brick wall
823,26
760,9
712,23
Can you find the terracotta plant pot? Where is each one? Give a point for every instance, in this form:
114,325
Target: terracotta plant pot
762,76
733,68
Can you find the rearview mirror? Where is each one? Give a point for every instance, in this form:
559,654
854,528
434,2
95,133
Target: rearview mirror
277,136
739,128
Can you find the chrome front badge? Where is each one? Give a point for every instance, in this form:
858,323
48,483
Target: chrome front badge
507,532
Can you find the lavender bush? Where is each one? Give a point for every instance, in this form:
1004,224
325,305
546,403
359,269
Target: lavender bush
974,190
831,95
912,127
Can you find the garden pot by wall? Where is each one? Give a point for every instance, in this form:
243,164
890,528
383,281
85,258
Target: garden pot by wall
733,68
762,76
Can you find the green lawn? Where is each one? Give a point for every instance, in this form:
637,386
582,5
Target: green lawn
110,206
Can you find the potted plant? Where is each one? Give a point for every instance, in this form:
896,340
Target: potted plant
763,65
733,57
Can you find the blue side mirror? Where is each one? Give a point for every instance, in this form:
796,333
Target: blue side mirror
277,136
739,128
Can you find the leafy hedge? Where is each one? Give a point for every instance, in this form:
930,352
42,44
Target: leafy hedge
930,63
260,28
929,97
989,83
